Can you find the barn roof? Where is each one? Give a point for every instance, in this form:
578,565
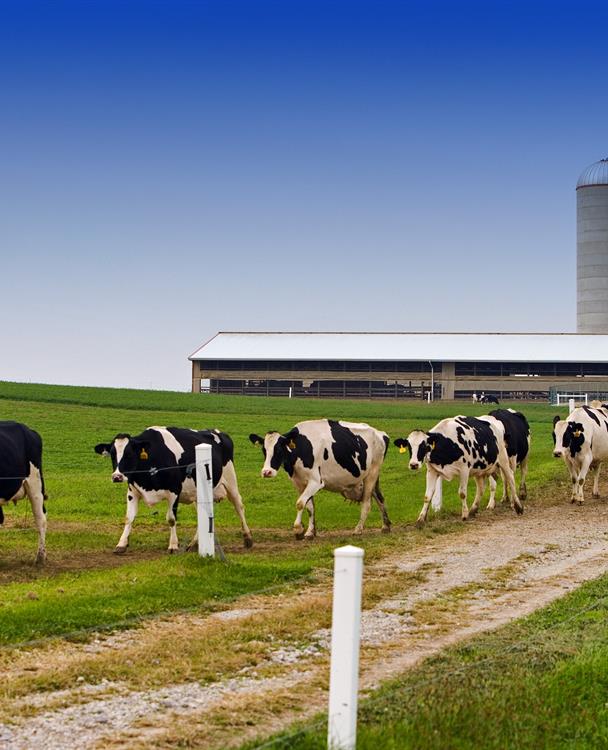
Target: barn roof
450,347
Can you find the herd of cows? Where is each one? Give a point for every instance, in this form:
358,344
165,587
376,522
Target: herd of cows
342,457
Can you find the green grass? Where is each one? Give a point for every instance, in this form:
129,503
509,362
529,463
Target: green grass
540,683
86,510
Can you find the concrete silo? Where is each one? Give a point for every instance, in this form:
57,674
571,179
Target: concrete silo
592,249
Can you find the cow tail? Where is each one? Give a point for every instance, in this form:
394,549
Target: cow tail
1,516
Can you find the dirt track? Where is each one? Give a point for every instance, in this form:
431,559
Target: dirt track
499,568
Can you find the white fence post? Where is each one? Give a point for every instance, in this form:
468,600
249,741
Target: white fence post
204,501
345,630
571,404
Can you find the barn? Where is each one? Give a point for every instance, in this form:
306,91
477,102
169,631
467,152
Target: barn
402,365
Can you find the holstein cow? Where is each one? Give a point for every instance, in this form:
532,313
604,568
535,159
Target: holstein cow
21,475
158,465
460,447
582,441
341,457
517,441
487,398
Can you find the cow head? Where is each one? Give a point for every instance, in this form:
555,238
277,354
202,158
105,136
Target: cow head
128,455
275,447
418,443
567,437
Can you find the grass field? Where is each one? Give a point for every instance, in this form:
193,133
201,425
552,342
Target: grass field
84,585
537,684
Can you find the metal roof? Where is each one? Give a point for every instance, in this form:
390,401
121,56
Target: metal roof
450,347
596,174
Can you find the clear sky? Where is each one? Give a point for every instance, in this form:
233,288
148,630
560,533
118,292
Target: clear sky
171,169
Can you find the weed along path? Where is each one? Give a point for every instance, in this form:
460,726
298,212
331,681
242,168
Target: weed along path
241,674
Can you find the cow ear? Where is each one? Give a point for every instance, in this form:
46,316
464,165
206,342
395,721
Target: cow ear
290,439
103,449
402,444
256,439
556,420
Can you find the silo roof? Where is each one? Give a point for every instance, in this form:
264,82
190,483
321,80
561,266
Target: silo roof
596,174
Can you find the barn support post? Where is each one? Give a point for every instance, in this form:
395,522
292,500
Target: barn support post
345,629
204,501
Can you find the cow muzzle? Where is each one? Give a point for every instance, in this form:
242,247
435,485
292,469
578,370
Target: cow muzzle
268,473
557,454
414,465
118,477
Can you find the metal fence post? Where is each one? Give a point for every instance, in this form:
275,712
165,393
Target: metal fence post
204,501
345,633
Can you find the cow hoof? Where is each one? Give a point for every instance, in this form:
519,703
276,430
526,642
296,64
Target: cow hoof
386,529
192,547
519,509
472,512
299,535
248,542
464,518
309,537
172,551
596,496
40,558
120,550
580,503
420,523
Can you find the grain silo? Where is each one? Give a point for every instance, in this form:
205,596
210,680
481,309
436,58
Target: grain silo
592,249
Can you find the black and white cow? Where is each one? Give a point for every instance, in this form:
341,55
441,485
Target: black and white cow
343,457
21,475
517,441
170,453
461,447
487,398
582,441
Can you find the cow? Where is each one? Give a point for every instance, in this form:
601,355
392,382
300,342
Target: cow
21,475
342,457
517,441
158,464
581,440
487,398
460,447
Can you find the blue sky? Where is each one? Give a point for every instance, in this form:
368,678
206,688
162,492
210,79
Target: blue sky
172,169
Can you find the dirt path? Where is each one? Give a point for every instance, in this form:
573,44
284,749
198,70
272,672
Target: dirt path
452,587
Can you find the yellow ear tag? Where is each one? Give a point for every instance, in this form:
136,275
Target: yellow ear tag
577,433
402,449
143,454
292,445
433,446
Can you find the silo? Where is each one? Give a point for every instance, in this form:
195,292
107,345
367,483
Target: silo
592,249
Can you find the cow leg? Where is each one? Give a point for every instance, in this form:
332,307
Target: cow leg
480,485
505,466
492,501
366,502
523,473
431,482
462,493
379,498
172,521
595,468
310,490
311,531
232,488
582,475
33,488
132,504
